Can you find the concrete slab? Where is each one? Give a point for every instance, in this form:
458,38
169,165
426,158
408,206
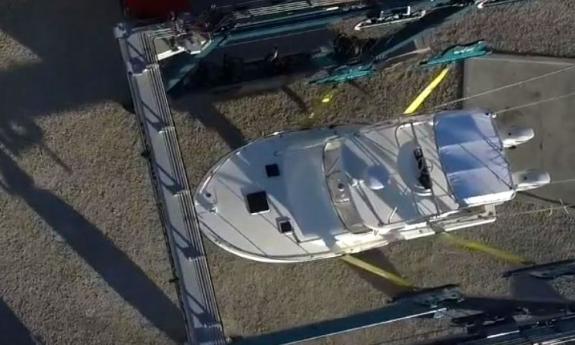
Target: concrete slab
552,119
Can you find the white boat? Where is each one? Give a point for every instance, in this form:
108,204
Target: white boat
320,193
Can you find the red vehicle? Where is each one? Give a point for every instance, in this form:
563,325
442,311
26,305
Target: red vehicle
153,9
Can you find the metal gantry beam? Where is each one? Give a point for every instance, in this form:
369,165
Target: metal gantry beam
292,18
423,304
196,293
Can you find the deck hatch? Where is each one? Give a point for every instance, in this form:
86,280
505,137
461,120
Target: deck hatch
257,202
284,226
272,170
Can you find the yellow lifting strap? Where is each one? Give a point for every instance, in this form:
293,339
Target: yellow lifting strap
426,92
392,277
475,246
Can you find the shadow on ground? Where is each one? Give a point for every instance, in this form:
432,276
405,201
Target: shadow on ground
78,64
115,267
202,107
12,330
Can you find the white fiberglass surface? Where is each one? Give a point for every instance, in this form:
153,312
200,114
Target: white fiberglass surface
473,157
387,154
298,194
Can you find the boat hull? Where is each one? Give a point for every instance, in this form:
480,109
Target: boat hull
224,218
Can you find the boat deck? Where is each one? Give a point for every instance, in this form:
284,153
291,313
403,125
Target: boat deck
315,181
296,193
401,200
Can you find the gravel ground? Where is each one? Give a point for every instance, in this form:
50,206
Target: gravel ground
82,255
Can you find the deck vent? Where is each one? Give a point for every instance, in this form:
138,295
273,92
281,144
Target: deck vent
272,170
284,226
257,202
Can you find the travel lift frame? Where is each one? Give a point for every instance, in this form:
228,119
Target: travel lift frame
189,42
143,49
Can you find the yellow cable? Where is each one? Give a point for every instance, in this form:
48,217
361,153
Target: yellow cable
392,277
481,247
426,92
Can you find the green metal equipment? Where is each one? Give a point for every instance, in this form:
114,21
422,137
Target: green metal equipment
459,53
335,63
